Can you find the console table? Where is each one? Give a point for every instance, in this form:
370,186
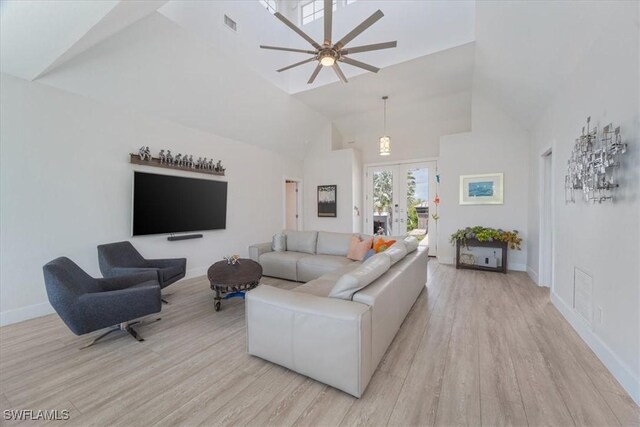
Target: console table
476,243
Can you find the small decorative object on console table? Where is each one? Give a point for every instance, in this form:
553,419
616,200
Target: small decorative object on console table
233,280
487,238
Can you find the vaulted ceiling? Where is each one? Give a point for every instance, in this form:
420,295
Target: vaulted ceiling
177,60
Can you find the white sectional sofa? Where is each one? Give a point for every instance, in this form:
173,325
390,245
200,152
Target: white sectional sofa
336,327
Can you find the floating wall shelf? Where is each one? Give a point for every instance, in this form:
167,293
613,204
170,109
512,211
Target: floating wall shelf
155,162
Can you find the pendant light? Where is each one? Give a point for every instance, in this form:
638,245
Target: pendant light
385,140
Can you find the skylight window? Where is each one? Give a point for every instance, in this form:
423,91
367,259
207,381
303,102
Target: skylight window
270,5
312,10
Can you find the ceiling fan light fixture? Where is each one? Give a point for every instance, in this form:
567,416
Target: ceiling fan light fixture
327,61
385,141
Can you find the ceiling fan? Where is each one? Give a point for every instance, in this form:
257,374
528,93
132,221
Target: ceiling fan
329,55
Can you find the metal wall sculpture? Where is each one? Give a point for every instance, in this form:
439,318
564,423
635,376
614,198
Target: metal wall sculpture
592,162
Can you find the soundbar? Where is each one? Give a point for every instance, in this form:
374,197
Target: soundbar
184,237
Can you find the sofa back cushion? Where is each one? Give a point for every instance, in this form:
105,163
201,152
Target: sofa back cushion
411,243
396,252
358,249
301,241
360,277
333,243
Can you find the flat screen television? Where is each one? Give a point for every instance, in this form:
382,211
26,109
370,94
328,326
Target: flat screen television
165,204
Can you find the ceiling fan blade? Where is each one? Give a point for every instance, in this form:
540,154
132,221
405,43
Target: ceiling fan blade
297,30
288,49
339,72
359,64
297,63
369,47
359,29
315,73
328,17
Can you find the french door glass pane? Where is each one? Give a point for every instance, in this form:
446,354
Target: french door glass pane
417,201
382,202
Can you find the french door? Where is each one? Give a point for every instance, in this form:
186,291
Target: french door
399,200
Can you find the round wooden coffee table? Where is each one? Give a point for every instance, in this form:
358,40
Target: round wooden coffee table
233,280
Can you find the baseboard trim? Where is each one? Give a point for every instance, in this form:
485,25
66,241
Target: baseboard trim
445,260
511,266
21,314
33,311
611,361
533,275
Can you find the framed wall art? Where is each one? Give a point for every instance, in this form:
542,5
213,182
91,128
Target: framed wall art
327,201
484,189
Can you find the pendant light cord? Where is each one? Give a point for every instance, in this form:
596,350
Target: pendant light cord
384,98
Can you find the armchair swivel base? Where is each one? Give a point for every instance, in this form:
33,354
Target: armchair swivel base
124,326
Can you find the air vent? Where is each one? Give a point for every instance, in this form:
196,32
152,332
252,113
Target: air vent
582,294
230,23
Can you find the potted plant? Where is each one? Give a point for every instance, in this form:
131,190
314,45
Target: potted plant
486,234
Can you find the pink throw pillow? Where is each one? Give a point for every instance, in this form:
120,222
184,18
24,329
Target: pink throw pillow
358,249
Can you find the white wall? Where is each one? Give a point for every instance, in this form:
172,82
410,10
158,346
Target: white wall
324,166
358,195
496,144
602,240
415,127
65,187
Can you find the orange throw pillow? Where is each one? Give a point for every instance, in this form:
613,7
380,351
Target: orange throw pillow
382,245
358,249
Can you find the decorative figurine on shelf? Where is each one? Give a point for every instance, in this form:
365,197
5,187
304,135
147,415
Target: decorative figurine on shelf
232,260
218,166
162,157
178,160
144,153
210,165
192,165
198,163
169,158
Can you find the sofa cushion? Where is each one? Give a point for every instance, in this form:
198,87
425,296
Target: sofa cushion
369,254
397,251
361,276
281,264
334,275
279,242
333,243
319,287
358,249
411,243
382,245
313,266
301,241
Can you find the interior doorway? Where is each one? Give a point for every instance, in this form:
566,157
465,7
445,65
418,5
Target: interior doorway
399,201
292,205
546,219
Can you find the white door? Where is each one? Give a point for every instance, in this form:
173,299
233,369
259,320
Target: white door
399,201
546,221
291,205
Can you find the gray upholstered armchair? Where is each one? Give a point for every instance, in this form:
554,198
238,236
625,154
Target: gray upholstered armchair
86,304
121,258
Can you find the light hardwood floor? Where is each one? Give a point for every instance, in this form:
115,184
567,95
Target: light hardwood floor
477,348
